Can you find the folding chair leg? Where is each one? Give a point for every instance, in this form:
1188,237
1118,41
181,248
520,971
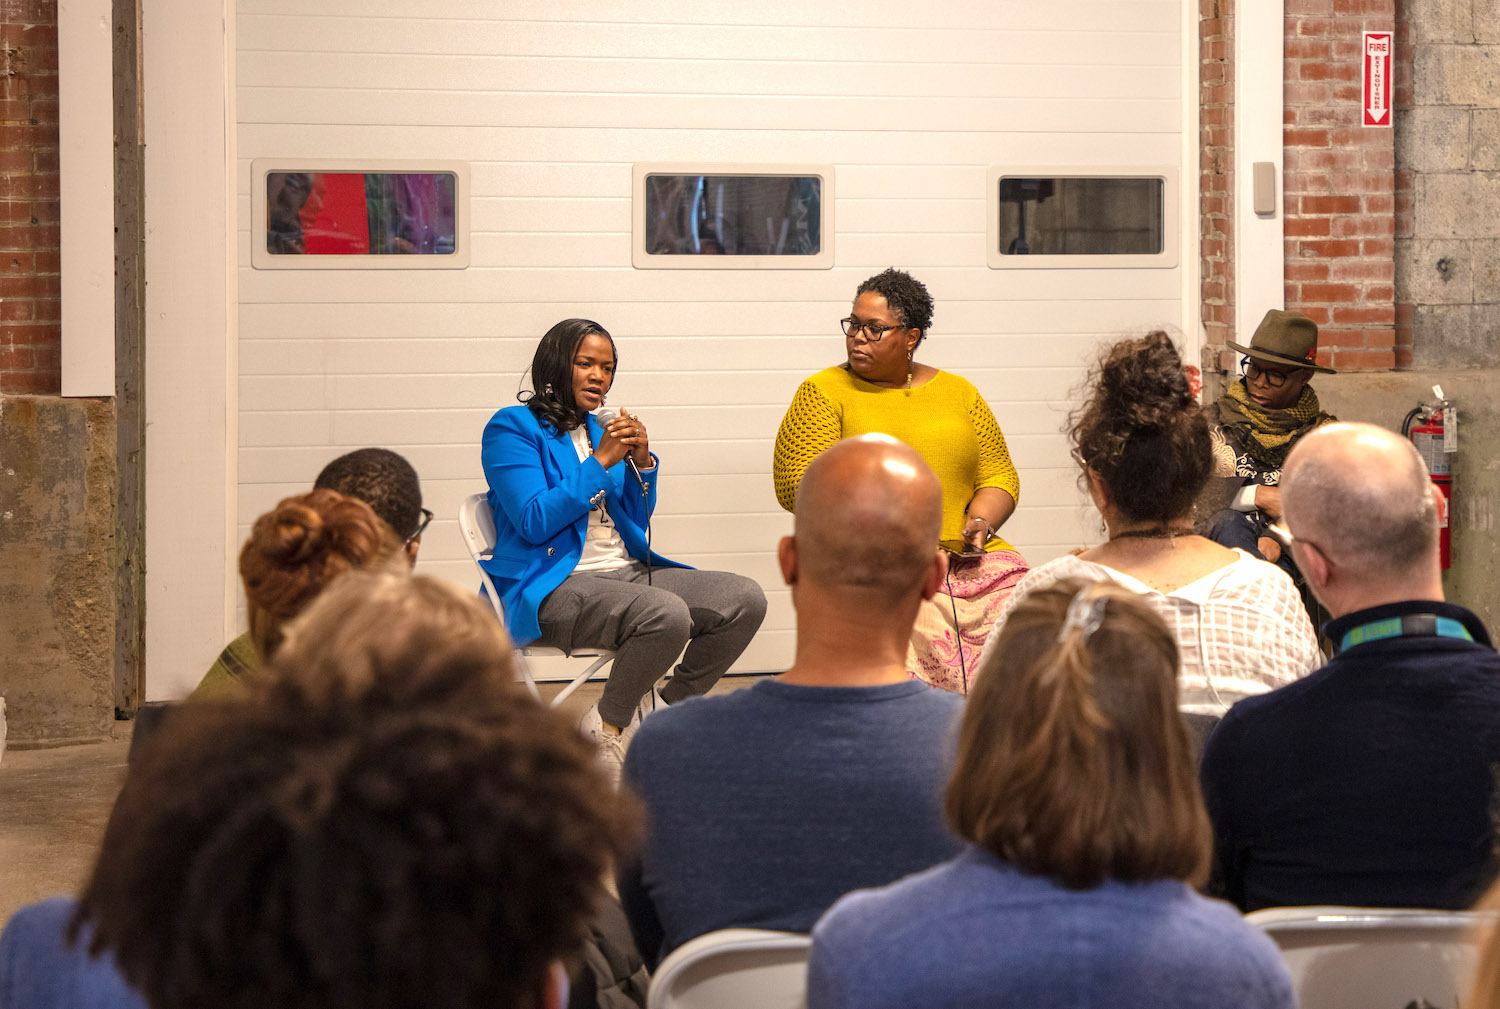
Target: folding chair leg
524,669
580,680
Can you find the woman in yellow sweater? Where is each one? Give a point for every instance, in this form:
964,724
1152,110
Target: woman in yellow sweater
882,388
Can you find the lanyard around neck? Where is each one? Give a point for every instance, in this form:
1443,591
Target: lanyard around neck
1413,625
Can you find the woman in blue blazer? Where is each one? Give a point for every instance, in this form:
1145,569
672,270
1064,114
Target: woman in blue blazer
571,560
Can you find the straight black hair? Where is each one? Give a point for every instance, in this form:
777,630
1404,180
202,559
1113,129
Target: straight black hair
551,395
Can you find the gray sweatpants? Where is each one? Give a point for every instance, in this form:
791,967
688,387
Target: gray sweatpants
714,614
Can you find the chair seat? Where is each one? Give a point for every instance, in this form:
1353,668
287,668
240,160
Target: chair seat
477,527
734,968
1362,957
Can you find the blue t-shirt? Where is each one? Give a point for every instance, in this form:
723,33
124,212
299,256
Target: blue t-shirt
977,933
39,970
765,805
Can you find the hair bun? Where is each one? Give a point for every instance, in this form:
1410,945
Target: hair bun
297,547
290,533
1143,385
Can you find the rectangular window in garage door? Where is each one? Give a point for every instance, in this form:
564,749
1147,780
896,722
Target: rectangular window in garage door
1071,218
707,217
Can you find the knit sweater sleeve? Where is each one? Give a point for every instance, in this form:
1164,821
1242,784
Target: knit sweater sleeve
811,425
995,467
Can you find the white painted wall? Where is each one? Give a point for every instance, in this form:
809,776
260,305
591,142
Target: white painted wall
191,414
552,103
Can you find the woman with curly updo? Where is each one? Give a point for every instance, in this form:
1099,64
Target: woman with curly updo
294,551
882,389
1144,446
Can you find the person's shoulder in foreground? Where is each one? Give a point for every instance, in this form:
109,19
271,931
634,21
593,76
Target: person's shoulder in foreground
977,932
41,969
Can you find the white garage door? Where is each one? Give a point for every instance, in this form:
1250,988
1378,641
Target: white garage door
553,103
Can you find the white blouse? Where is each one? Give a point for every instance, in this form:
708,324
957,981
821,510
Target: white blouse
1241,630
603,550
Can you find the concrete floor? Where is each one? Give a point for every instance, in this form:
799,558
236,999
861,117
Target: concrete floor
54,805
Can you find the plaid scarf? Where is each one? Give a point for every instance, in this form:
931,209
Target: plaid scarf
1266,435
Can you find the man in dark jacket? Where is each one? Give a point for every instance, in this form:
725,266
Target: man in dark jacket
1371,781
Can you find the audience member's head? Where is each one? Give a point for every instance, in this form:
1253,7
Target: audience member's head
1141,434
387,820
1360,507
1073,761
298,548
868,516
386,482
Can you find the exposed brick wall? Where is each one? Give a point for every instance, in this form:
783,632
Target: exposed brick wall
1339,181
30,329
1216,167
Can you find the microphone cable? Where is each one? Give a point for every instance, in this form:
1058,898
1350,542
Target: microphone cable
958,634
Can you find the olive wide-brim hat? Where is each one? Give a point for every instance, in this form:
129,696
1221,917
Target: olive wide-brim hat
1288,338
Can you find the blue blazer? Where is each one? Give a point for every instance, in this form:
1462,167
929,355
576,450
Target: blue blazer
541,496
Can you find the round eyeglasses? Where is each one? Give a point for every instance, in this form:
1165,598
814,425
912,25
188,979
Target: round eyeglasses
1253,371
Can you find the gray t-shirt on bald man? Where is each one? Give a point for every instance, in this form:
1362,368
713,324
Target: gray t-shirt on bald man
766,805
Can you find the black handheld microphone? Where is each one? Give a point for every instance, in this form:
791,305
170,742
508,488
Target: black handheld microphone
604,417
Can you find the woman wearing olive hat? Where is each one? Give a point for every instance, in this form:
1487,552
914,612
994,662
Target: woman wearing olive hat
1259,419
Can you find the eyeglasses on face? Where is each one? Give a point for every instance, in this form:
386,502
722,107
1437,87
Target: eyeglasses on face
1252,371
873,331
426,521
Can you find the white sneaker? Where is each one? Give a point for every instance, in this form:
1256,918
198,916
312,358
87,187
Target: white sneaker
652,702
611,744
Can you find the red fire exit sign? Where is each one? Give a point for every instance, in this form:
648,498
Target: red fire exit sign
1377,79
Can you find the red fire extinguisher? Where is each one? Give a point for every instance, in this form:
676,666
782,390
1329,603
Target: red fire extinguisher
1433,429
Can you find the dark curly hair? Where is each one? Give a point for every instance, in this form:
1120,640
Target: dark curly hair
551,398
905,295
1142,432
386,820
382,479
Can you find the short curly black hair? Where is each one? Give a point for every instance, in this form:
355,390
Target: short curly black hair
906,296
386,820
382,479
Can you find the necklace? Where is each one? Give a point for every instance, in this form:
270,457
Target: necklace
1153,533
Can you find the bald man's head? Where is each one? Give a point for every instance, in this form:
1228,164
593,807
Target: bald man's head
869,512
1362,496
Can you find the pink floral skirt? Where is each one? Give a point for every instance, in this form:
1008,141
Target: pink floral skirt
943,653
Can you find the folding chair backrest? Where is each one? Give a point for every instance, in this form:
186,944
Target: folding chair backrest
477,527
734,968
1374,958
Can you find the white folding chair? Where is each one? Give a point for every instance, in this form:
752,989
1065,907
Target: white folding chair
1374,958
734,968
477,526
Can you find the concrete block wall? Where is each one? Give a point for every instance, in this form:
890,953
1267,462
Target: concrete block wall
57,567
1448,161
30,331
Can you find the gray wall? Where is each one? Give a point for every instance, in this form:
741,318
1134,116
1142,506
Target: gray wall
1447,270
1450,142
57,567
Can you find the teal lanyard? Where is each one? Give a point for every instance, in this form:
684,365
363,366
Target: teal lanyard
1413,625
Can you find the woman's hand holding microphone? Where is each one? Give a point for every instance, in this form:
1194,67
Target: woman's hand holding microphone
622,434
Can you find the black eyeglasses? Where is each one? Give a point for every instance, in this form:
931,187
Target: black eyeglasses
1252,371
873,330
426,521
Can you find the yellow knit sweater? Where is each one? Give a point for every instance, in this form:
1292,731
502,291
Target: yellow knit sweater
945,420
